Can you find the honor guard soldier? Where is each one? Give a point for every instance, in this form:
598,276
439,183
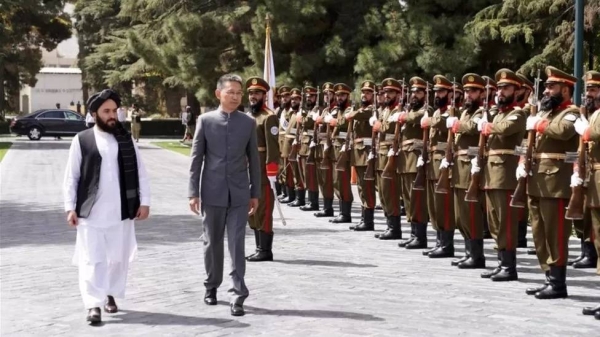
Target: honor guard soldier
590,132
267,131
309,170
440,206
548,181
360,151
337,120
468,215
584,228
285,175
388,181
415,200
325,154
380,107
504,133
291,148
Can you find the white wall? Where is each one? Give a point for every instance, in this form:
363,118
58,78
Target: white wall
53,86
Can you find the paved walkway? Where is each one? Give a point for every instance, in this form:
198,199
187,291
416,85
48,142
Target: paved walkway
326,281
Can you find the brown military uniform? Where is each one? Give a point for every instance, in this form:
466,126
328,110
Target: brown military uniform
325,173
415,201
309,172
291,138
389,187
592,136
549,187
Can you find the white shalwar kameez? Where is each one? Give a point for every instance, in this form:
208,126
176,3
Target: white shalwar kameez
105,244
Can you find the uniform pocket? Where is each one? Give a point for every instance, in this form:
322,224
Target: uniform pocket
549,166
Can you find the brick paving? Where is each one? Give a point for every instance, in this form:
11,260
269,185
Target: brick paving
326,281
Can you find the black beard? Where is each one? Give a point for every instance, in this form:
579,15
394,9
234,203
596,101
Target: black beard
472,105
104,125
342,104
440,102
550,103
416,104
391,102
365,102
310,105
506,101
457,100
295,107
287,105
256,107
521,97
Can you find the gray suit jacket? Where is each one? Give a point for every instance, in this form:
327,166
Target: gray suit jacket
225,168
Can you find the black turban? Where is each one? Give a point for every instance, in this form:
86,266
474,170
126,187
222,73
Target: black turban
97,99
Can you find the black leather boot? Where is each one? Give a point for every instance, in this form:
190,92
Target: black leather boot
277,189
467,254
476,258
368,223
508,268
291,196
438,242
265,253
531,251
327,209
534,290
344,216
590,260
300,199
413,230
282,193
94,316
393,231
362,219
402,209
446,248
257,241
420,241
581,254
490,273
313,202
522,243
557,287
591,311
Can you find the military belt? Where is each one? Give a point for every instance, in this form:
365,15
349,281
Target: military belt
389,136
262,149
461,153
500,152
545,155
596,167
290,136
342,135
386,143
408,142
366,141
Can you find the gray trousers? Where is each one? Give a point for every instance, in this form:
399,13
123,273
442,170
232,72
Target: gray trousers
216,220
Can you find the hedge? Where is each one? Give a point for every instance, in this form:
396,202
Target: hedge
150,128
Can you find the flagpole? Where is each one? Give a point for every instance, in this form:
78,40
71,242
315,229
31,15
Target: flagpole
269,67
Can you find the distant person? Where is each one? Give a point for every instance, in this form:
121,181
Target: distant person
78,107
190,124
106,188
58,105
121,114
136,122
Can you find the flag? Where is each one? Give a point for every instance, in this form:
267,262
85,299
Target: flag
269,71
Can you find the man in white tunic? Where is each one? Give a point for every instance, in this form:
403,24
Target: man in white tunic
105,189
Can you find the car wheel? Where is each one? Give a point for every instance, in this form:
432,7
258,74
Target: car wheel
34,133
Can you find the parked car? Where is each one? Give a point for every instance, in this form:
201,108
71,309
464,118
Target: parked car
48,122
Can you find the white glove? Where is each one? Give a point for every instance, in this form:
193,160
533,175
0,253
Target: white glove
372,120
581,125
343,149
371,156
444,164
314,116
294,142
474,166
391,153
327,118
532,121
394,118
575,180
299,113
450,122
312,144
420,161
521,172
480,123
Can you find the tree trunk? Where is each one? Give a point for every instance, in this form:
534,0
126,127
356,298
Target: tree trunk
173,101
2,94
193,102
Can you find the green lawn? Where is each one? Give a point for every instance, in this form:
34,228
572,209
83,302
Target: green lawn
175,146
4,146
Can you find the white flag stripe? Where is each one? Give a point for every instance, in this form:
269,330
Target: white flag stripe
269,70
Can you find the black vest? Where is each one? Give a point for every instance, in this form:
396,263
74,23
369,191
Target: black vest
91,161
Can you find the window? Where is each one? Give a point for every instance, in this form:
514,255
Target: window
73,116
52,114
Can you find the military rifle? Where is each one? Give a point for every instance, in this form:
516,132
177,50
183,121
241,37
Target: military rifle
443,184
472,194
293,156
576,203
419,183
519,198
370,172
326,162
390,167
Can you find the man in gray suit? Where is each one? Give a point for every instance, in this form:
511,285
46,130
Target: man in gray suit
225,187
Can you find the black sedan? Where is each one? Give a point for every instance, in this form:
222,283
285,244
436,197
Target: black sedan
48,122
